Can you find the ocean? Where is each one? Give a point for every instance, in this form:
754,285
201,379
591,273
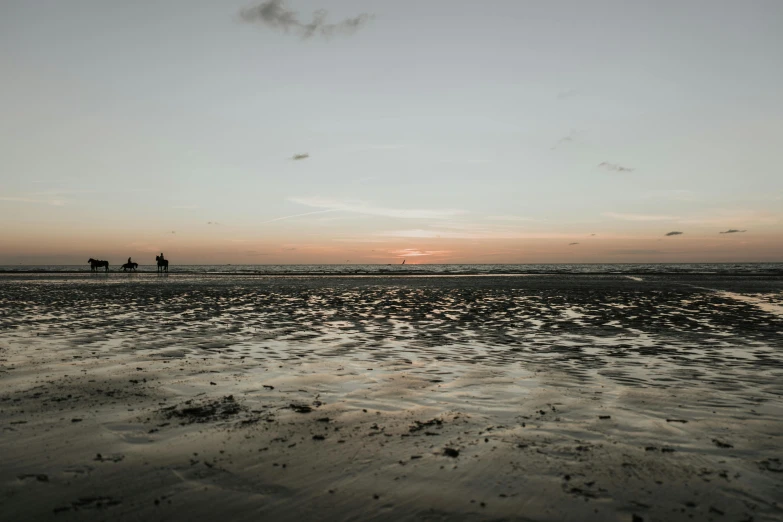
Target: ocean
434,269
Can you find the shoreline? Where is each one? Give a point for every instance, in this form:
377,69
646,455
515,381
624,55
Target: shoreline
771,273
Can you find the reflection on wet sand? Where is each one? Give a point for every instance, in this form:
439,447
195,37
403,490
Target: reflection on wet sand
570,397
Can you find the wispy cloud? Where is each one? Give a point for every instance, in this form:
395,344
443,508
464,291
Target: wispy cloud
565,140
719,217
61,196
673,194
53,202
614,167
360,207
636,252
72,192
419,233
508,217
67,192
732,231
281,218
298,157
274,14
572,244
468,233
412,252
378,146
639,217
674,233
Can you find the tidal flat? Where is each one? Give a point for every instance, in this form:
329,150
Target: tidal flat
539,397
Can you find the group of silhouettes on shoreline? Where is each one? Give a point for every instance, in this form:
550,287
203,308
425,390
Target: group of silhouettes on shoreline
95,264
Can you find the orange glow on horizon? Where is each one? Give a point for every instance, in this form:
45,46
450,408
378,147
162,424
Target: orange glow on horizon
62,248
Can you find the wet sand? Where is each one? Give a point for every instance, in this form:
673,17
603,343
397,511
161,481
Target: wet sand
134,396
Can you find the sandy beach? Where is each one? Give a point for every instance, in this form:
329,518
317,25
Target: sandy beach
546,397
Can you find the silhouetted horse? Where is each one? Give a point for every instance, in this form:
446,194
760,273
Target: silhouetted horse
130,266
163,264
95,264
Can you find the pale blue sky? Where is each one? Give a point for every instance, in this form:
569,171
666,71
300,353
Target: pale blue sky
441,126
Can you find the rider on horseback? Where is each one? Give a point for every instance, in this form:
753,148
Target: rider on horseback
130,265
163,263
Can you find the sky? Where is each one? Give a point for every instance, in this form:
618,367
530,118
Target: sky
372,131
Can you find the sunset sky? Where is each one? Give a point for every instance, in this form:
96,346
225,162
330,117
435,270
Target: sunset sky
433,131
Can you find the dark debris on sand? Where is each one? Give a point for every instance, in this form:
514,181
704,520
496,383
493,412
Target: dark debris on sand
40,477
774,464
418,425
89,503
721,444
109,458
204,411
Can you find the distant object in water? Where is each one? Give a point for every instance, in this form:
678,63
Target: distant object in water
403,262
163,264
95,264
130,266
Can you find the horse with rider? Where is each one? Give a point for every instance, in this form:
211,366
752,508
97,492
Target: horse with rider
163,264
130,265
95,264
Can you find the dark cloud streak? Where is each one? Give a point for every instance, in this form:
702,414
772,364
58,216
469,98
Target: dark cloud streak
615,167
674,233
732,231
564,140
274,13
299,157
